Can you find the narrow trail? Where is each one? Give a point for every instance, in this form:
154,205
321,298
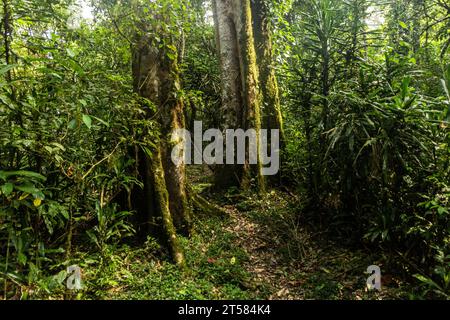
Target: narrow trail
324,269
268,269
264,264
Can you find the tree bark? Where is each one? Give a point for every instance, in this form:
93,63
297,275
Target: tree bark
252,93
227,45
271,106
172,117
156,79
7,36
241,98
163,199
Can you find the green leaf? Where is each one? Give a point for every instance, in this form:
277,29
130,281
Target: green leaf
65,213
22,173
403,25
7,188
28,188
60,277
76,67
58,145
428,281
72,124
70,52
22,258
59,159
442,211
6,68
101,121
172,47
87,121
171,56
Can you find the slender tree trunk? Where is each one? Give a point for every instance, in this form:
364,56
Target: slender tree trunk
325,84
416,25
7,36
7,22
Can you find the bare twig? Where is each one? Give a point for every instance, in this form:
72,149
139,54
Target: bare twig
101,161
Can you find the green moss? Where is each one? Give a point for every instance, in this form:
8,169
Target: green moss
253,96
163,200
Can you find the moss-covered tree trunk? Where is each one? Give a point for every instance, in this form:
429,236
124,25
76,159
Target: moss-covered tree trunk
251,92
171,109
163,201
241,98
271,106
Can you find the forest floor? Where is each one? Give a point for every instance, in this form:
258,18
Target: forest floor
285,261
257,250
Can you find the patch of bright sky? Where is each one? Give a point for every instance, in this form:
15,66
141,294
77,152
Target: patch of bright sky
375,18
80,12
86,10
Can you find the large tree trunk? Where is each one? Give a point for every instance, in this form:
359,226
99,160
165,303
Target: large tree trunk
271,105
172,118
227,44
163,199
156,78
241,99
252,94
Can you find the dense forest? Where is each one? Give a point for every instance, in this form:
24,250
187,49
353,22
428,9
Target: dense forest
356,94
